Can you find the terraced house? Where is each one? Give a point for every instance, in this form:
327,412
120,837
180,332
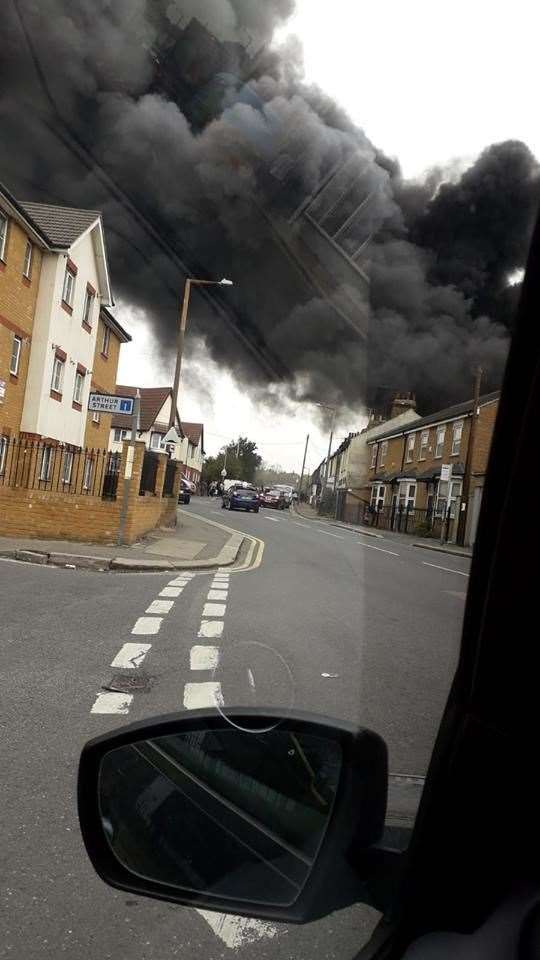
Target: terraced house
428,472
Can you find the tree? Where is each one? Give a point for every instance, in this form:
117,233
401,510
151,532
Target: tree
269,474
240,459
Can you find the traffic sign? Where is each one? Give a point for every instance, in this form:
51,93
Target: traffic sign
108,403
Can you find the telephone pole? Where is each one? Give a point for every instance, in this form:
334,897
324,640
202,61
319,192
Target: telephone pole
465,490
303,467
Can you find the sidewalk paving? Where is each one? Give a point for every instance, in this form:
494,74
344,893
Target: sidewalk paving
309,513
193,544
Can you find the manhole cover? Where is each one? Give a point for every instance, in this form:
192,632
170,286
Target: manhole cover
125,684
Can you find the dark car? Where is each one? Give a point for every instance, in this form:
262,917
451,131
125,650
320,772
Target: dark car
274,498
241,498
184,494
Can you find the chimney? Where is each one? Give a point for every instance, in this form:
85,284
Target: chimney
401,403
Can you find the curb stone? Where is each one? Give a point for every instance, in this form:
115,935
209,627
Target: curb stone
437,549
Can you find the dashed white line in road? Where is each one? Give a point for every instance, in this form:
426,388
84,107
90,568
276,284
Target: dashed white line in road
179,582
203,658
217,594
210,628
214,609
369,546
171,591
198,695
131,655
237,931
273,519
147,625
460,573
160,606
328,534
107,702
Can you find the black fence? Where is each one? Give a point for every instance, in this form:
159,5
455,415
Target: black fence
170,474
61,468
401,518
148,473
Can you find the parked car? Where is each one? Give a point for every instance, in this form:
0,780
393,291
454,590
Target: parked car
184,494
274,498
241,498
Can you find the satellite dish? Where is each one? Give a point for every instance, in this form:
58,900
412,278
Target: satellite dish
171,436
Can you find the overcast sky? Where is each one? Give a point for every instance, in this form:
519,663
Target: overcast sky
429,84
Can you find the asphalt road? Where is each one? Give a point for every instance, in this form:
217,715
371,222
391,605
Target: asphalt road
330,622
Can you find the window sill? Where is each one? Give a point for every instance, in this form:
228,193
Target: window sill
455,454
86,326
76,406
2,265
55,395
27,281
13,377
65,306
104,356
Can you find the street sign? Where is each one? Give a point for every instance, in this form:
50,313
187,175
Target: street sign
108,403
446,472
171,436
224,473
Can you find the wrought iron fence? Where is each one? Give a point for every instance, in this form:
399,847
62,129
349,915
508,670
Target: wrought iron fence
148,473
170,474
43,465
401,518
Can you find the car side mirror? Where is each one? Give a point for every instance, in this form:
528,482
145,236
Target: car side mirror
256,813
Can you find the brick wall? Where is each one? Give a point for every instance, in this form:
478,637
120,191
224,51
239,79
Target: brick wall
104,373
89,519
485,426
17,307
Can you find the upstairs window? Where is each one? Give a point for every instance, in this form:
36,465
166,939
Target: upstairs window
3,235
27,265
410,447
439,445
57,375
106,341
457,433
15,356
424,439
89,298
384,451
78,388
68,291
374,456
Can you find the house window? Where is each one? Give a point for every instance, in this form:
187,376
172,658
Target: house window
27,266
384,451
57,375
46,463
411,439
456,437
407,494
424,438
67,466
3,453
3,235
89,298
119,434
95,417
439,443
156,441
374,456
106,341
87,477
15,356
448,494
79,386
68,291
378,492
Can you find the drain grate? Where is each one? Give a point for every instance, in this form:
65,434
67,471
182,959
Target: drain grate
121,683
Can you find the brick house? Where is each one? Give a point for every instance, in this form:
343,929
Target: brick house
22,246
110,337
404,476
192,454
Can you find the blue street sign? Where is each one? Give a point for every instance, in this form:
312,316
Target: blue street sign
108,403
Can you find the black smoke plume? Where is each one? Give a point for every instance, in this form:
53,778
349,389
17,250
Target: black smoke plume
209,156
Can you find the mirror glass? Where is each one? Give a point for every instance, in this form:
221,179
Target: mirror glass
223,811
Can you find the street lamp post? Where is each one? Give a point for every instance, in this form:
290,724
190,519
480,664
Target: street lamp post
334,409
182,332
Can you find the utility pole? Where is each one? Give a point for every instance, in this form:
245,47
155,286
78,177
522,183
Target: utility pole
331,437
303,467
465,490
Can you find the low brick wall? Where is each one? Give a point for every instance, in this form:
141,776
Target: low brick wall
90,519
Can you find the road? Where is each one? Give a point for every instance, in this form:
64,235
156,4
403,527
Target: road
332,622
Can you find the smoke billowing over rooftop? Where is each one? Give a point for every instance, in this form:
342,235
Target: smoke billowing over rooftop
210,156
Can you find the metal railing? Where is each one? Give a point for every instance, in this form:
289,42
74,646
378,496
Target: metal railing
170,474
57,467
400,518
148,473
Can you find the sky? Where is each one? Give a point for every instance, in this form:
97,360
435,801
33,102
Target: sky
464,71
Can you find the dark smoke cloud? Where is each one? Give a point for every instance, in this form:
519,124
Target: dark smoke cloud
182,179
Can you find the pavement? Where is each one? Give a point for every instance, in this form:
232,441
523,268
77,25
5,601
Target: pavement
314,617
309,512
192,544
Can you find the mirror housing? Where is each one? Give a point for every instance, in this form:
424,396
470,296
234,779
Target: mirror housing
339,859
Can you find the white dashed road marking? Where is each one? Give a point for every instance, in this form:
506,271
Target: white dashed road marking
273,519
160,606
237,931
210,628
171,591
112,703
147,625
448,569
203,658
202,695
328,534
217,594
131,655
369,546
214,609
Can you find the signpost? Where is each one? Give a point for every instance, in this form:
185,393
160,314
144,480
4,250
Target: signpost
109,403
446,477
